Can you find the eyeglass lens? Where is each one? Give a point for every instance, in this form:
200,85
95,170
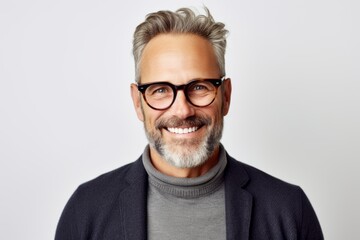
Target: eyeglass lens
162,95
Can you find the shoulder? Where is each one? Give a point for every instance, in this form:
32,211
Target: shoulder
97,202
269,193
109,185
255,179
274,201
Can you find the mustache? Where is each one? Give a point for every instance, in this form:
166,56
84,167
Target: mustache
174,122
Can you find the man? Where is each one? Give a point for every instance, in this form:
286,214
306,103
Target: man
185,185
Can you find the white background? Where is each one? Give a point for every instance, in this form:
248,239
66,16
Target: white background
66,114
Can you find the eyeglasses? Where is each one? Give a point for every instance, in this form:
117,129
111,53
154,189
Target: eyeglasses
199,92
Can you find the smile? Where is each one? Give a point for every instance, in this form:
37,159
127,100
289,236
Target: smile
182,130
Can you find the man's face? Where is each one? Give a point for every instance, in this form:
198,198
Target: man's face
183,135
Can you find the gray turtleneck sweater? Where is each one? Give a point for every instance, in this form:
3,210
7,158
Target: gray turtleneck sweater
186,208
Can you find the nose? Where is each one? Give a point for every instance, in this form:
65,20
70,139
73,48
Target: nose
181,107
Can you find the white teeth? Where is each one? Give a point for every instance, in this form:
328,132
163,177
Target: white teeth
182,130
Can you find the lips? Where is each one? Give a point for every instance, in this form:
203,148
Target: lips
183,126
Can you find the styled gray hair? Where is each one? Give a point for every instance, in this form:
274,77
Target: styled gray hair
184,21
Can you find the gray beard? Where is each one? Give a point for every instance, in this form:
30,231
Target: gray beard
183,153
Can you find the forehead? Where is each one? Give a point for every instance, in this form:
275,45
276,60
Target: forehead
178,57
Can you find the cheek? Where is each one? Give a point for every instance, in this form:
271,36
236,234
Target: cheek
214,113
222,105
218,115
150,118
218,108
217,118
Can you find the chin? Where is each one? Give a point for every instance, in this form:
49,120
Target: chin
186,154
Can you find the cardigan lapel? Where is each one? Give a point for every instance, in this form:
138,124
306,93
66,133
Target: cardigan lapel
133,203
238,202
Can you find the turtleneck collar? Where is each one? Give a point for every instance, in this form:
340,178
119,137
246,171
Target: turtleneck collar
187,187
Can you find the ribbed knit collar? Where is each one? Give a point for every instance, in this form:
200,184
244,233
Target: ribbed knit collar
187,187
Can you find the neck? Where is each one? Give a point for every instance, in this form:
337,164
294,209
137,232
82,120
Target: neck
164,167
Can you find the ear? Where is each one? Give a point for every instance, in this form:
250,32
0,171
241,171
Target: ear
136,101
226,96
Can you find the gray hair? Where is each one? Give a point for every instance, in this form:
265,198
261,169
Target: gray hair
184,21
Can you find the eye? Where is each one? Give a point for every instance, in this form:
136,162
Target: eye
159,91
201,87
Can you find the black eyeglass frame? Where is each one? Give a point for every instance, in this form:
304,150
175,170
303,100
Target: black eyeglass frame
216,82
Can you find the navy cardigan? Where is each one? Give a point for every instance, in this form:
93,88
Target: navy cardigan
258,206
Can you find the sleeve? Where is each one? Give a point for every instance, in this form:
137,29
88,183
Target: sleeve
310,226
67,228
